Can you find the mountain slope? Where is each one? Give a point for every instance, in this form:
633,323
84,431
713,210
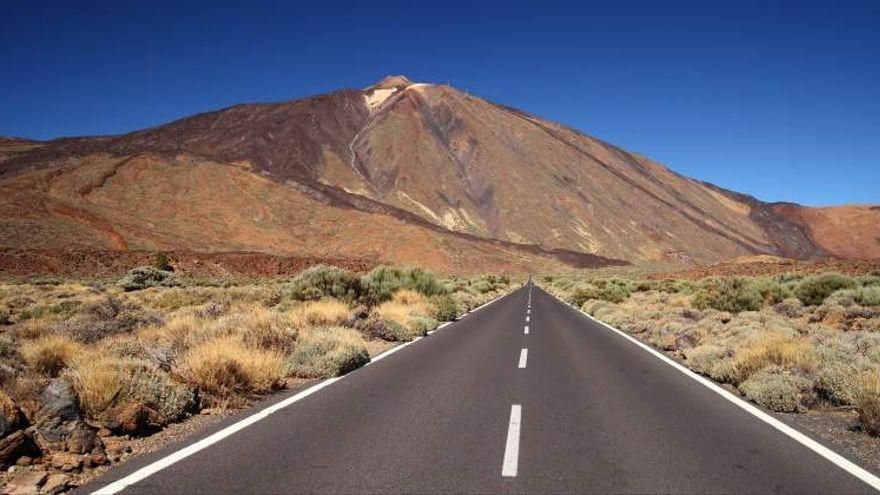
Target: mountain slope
422,158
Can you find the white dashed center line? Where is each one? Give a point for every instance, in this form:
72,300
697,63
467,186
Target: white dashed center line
511,451
523,356
527,318
526,330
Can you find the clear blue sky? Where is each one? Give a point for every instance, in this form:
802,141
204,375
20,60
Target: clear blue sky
776,99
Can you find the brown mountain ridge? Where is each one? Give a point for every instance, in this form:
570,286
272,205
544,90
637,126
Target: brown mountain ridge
397,172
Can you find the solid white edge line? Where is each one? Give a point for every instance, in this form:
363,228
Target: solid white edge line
829,455
511,450
156,466
523,357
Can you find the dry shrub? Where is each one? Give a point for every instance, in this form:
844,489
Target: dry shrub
837,380
104,318
791,307
777,390
465,300
446,308
770,349
32,329
50,354
410,310
269,329
704,358
327,311
180,332
105,381
227,366
323,352
867,400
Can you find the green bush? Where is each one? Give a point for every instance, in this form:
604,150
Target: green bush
321,281
146,276
863,296
465,300
777,390
814,289
487,283
611,290
162,262
728,294
383,281
445,307
771,291
420,325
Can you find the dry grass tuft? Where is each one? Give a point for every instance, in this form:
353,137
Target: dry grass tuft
327,311
98,381
227,366
50,354
867,399
765,350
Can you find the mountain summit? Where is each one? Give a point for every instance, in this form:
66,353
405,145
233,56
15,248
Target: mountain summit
400,172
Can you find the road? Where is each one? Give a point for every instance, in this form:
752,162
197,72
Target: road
486,406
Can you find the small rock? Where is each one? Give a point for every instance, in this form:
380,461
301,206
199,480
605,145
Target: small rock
55,484
104,432
99,459
26,482
113,446
11,417
67,461
10,446
679,342
81,440
24,461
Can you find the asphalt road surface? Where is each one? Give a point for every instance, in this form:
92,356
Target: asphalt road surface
486,405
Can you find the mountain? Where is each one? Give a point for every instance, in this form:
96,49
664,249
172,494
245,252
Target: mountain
399,172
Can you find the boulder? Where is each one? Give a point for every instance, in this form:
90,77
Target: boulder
134,418
59,424
60,401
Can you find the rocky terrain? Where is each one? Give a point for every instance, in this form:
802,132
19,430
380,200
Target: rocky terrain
397,172
91,371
